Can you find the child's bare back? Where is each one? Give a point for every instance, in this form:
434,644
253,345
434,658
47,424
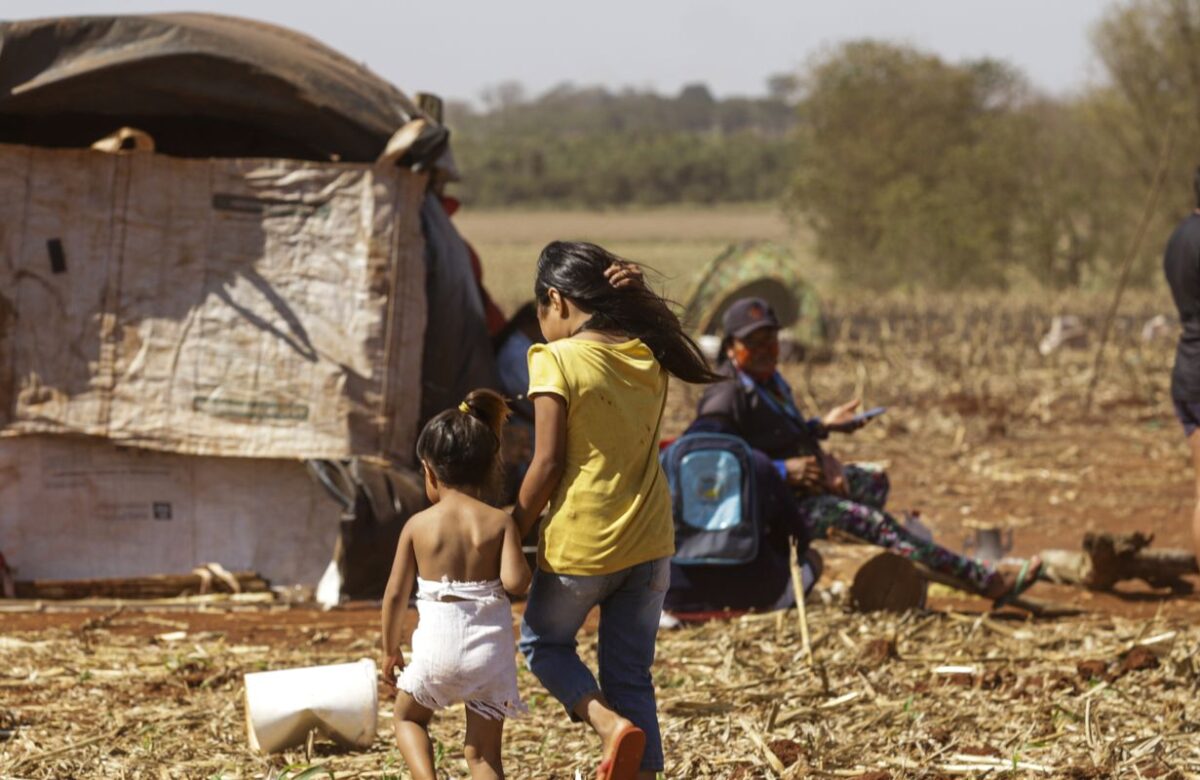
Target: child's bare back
463,539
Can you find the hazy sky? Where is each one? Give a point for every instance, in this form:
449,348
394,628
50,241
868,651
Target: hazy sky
459,48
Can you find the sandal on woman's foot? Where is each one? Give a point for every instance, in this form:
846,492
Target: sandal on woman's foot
624,755
1030,571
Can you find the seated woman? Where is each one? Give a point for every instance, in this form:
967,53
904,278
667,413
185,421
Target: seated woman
806,490
511,346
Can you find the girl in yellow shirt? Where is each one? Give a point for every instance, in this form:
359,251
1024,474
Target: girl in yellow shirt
599,386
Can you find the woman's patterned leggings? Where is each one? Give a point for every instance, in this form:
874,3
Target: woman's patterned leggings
862,515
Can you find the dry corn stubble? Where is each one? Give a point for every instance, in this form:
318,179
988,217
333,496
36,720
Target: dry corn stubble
948,695
953,694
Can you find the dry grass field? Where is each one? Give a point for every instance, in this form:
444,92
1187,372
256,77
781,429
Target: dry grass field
981,430
675,242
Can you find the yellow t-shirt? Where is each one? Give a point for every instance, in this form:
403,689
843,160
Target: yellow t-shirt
612,508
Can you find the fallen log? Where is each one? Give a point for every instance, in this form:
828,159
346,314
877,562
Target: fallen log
157,586
1107,559
889,583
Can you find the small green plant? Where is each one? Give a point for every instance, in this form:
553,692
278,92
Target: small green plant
187,663
389,763
304,772
910,710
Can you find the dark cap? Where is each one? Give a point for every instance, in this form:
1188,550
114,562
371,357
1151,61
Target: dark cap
747,315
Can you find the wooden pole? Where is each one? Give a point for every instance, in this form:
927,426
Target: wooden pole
1147,213
801,613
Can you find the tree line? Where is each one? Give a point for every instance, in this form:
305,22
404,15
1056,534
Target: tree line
909,170
589,147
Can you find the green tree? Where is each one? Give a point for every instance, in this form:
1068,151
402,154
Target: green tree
1150,51
904,165
1071,211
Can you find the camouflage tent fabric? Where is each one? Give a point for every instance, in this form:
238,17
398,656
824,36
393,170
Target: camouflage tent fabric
765,270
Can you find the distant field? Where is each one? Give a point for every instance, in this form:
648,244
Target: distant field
676,242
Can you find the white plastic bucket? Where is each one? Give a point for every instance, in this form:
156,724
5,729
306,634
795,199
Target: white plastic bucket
340,701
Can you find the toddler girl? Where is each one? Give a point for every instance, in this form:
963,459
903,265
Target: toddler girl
464,555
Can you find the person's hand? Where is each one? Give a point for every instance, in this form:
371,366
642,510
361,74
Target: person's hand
621,274
390,664
834,474
841,418
805,473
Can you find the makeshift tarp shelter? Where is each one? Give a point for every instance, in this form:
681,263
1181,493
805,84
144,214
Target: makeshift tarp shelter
178,336
200,85
764,270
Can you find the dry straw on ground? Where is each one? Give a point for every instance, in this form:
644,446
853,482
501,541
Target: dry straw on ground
913,695
982,427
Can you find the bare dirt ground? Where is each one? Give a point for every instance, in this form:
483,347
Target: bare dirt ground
981,430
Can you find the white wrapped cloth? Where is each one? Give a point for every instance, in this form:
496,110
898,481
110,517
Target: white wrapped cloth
463,649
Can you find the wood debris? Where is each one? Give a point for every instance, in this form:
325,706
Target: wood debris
206,579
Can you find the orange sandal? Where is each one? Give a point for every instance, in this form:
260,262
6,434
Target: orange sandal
624,755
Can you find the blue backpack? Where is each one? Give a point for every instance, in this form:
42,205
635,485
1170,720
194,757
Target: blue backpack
711,477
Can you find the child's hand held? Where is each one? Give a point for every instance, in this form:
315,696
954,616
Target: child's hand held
390,664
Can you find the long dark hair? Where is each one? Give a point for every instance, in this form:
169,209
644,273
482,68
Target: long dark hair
576,270
462,445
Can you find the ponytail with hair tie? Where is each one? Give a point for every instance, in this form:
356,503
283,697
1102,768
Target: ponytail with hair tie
487,406
462,445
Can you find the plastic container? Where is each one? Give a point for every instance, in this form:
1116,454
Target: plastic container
340,701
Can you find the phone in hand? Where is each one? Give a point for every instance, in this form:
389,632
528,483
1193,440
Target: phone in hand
870,414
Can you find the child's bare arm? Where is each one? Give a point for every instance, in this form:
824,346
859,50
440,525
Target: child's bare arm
549,457
395,603
514,571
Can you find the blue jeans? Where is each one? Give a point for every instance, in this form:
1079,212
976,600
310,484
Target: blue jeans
630,603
